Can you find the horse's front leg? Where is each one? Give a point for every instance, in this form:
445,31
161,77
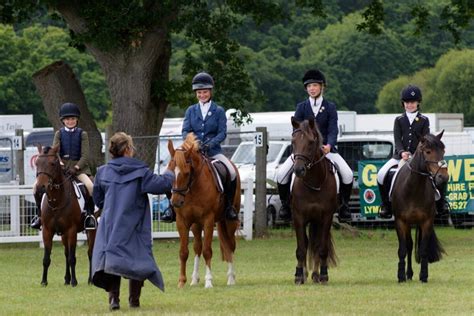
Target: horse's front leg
67,274
48,244
402,229
183,231
90,243
425,234
71,241
301,248
207,249
325,238
409,240
197,246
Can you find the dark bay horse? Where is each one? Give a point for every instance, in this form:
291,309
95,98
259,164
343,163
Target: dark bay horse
413,203
60,213
199,206
314,201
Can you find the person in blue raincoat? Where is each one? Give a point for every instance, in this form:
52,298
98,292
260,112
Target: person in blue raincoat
123,245
207,120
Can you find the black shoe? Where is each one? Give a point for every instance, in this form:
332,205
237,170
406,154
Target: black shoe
442,208
230,214
285,212
169,215
344,212
90,223
385,212
36,222
114,304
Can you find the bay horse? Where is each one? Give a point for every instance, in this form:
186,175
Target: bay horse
413,203
314,201
60,213
199,206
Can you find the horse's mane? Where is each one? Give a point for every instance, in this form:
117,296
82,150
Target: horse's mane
46,149
311,132
190,144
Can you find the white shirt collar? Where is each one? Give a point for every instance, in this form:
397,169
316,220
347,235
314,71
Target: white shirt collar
204,108
316,104
411,116
69,129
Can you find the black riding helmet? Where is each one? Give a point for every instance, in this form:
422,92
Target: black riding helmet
202,80
313,76
68,110
411,93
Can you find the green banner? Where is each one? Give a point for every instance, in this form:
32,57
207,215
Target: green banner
460,190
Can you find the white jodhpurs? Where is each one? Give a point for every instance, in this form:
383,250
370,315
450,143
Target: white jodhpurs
385,168
286,169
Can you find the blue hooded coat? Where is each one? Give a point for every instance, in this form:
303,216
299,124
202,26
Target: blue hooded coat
123,245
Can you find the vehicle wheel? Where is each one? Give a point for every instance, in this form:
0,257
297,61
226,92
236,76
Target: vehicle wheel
271,216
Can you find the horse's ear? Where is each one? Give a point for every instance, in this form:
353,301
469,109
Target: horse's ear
295,123
40,148
171,147
440,135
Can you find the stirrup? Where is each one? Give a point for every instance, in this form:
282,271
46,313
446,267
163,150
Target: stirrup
36,222
90,223
230,213
384,213
169,216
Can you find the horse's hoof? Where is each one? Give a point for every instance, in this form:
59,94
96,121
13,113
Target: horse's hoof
44,284
299,281
324,279
181,285
74,284
208,285
194,281
402,280
424,280
315,277
231,281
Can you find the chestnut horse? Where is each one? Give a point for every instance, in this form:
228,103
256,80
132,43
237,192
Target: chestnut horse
413,203
60,213
314,201
199,206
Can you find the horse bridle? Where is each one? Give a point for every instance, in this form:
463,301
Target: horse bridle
441,164
308,162
52,185
185,190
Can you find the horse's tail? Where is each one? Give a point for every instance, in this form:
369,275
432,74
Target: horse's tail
314,246
226,232
435,249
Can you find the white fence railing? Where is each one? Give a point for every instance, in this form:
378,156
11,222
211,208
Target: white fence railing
17,208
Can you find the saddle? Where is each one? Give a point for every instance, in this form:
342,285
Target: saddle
392,175
219,171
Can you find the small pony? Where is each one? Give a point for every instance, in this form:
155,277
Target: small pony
413,203
60,213
314,202
199,205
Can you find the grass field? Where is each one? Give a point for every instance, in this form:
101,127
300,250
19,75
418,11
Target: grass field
364,282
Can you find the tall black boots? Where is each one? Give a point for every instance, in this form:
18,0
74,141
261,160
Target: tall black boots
135,289
442,206
385,210
169,215
36,221
344,198
284,192
230,213
90,223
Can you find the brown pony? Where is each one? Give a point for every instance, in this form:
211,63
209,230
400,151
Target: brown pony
199,205
314,201
413,203
60,213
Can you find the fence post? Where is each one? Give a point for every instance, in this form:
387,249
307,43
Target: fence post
261,181
248,209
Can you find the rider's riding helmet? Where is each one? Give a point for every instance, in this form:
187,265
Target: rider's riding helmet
313,76
202,80
69,109
411,93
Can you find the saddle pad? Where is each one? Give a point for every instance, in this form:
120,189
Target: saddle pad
218,170
79,194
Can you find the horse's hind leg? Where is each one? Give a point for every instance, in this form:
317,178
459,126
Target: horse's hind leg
48,243
67,274
90,248
197,246
71,238
325,239
402,229
207,249
301,246
409,240
425,232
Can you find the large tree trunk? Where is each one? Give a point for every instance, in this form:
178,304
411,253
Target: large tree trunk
57,84
129,73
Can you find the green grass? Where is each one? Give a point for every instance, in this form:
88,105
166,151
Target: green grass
364,282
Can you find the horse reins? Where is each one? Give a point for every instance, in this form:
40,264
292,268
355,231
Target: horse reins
184,191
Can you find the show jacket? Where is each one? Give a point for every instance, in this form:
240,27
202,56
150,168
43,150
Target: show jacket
326,119
406,135
211,130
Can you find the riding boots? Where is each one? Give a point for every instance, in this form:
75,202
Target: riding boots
36,221
230,213
284,192
344,198
442,206
169,215
90,223
385,210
